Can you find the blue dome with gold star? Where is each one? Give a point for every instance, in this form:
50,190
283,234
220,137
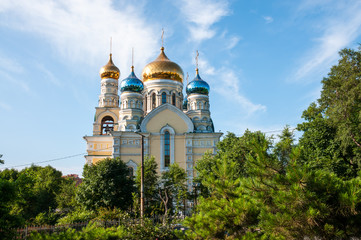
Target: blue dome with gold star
131,84
198,85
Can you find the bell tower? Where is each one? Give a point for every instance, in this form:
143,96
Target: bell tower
106,114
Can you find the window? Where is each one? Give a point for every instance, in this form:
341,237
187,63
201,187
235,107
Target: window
166,149
164,98
173,99
131,172
107,125
153,100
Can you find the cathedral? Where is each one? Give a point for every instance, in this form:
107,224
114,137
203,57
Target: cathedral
174,128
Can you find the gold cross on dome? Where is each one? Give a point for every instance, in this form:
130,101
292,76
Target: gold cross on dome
197,55
110,45
132,56
162,37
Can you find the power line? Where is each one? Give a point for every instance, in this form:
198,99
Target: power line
55,159
272,131
280,130
81,154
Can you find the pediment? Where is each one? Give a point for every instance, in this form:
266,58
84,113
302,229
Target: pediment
167,114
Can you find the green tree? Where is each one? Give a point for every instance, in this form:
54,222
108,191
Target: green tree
172,190
333,127
283,148
151,181
106,184
227,211
273,200
36,190
232,149
341,98
65,198
7,218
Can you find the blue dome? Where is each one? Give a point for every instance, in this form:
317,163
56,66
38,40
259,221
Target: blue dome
197,85
131,84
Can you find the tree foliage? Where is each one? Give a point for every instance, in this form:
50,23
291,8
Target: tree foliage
151,179
288,191
106,184
172,189
36,189
279,196
332,129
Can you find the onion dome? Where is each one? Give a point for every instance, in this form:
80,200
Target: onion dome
185,103
109,70
131,83
198,85
162,68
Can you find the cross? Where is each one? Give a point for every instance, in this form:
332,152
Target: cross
110,45
197,55
132,57
162,37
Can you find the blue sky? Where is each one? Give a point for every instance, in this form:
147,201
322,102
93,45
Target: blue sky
263,60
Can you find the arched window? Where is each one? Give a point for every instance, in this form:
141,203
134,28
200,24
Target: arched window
164,98
153,100
173,99
166,149
107,125
131,172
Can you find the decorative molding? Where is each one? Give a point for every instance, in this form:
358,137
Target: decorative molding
107,113
133,165
154,112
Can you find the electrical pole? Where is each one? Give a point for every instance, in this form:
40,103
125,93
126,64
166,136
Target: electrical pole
141,178
142,182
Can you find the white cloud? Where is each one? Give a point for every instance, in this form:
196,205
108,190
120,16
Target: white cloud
4,76
232,42
225,82
80,30
5,106
338,32
10,71
268,19
11,65
227,85
48,75
206,68
201,15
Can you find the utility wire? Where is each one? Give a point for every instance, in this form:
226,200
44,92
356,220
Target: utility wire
55,159
81,154
291,129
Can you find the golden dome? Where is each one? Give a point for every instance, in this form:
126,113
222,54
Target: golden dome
162,68
109,70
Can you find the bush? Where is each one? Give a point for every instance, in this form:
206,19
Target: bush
79,215
94,231
107,214
46,218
